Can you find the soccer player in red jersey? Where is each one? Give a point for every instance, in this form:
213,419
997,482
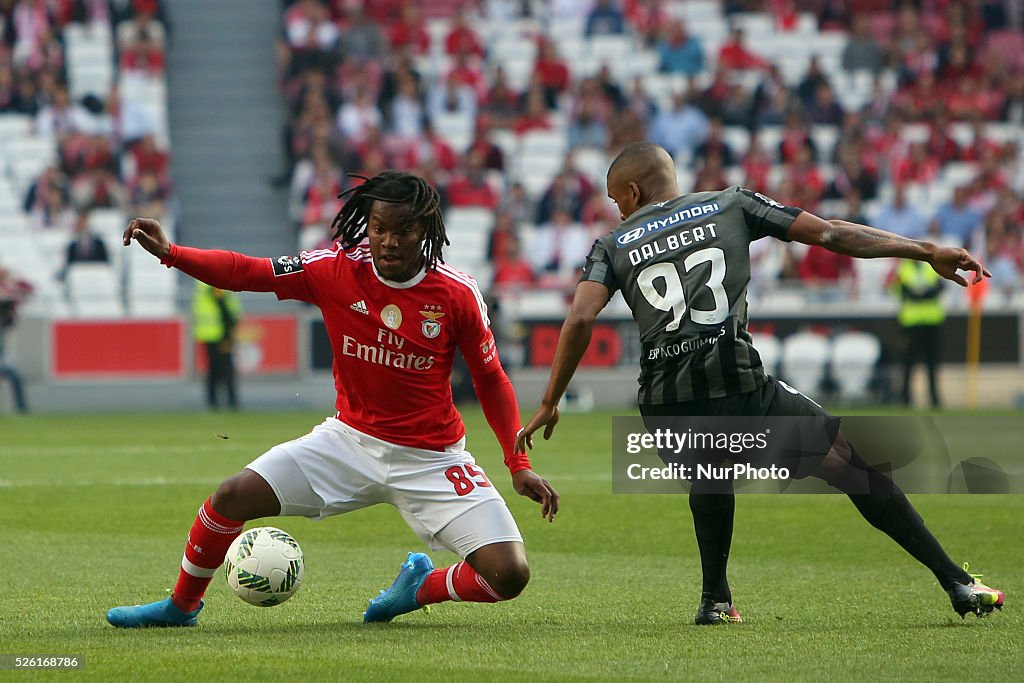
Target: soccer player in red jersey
395,315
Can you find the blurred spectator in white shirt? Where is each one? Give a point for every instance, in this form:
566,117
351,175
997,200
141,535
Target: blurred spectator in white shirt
407,112
901,218
308,25
558,249
453,97
143,23
357,116
681,128
955,221
63,117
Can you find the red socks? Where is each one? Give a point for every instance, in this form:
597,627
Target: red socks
212,533
208,542
460,582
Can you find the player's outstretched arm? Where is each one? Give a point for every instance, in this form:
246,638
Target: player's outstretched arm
862,241
222,269
590,299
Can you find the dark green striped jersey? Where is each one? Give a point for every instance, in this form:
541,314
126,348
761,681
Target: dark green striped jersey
683,267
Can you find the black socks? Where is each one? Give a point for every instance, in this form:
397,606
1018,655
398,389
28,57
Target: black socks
712,522
881,502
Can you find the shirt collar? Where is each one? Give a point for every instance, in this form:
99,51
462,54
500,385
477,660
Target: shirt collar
411,282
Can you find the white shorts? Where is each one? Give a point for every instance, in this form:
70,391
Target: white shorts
444,496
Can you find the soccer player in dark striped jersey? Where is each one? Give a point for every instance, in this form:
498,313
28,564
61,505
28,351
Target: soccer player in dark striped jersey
682,264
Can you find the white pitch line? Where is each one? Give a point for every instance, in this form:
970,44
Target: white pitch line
115,450
149,481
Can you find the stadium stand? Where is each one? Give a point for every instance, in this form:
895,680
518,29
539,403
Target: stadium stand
829,106
928,98
82,118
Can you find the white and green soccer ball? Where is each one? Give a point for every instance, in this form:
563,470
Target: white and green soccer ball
264,566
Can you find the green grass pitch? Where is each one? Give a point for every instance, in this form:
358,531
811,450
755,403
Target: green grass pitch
94,512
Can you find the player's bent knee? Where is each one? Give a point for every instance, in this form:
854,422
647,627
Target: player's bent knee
511,580
245,496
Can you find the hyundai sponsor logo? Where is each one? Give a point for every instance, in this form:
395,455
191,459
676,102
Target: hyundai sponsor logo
631,236
684,214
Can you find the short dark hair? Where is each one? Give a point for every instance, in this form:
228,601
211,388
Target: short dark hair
395,187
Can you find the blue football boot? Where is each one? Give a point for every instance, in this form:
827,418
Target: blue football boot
401,597
161,613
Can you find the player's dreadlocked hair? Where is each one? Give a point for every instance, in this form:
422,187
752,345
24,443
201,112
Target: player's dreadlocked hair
395,187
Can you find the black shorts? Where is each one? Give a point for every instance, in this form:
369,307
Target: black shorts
797,445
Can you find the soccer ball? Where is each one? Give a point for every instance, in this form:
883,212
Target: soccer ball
264,566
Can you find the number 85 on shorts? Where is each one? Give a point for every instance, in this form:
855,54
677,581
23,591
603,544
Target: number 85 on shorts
465,478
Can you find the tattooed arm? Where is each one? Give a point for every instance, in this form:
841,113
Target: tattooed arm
862,241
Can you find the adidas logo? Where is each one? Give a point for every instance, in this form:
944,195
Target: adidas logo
361,307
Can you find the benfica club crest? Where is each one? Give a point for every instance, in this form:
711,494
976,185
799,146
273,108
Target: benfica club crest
431,327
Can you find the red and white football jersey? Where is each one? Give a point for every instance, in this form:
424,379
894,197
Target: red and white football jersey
394,343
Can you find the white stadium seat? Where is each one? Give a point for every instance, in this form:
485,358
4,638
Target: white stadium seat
611,48
98,309
805,356
540,303
456,129
593,163
871,274
543,141
15,126
108,222
854,356
151,280
38,147
699,11
92,280
468,252
93,291
468,220
518,70
10,202
25,170
152,308
566,27
769,348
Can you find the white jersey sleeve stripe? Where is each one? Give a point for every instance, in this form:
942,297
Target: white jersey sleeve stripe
469,282
317,254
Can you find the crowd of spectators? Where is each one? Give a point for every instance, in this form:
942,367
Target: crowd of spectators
364,95
107,153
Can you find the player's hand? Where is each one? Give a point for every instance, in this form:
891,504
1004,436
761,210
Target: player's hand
544,417
528,483
947,260
148,233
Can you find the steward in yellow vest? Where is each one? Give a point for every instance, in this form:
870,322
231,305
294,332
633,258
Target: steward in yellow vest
216,313
921,316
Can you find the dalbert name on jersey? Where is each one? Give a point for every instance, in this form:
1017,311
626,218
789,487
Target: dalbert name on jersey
682,239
